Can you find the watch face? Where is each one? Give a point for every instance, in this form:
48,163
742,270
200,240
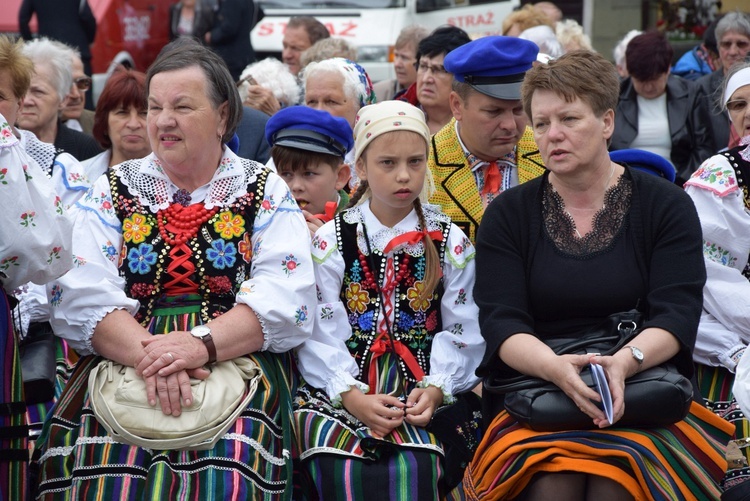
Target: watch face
637,354
200,331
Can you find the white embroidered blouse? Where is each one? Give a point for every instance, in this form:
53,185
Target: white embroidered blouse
94,287
325,361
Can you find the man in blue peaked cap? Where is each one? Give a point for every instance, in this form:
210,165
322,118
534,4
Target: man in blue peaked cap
486,148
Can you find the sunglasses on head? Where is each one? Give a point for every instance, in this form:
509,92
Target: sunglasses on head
83,83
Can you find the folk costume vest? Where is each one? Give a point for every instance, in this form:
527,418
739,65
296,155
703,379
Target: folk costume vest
205,253
414,320
455,188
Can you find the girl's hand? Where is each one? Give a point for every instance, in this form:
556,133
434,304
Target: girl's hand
381,413
421,405
313,223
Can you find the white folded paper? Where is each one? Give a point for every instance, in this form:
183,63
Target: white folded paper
597,372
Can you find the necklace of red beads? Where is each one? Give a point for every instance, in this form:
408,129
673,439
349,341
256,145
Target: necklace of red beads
178,224
369,281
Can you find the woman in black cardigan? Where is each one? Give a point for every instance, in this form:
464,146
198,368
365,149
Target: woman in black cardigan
557,256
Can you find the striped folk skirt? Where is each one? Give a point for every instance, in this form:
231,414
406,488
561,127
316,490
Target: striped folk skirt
80,461
715,385
680,461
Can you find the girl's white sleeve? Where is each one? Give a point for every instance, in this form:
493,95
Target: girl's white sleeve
281,287
459,347
93,287
324,360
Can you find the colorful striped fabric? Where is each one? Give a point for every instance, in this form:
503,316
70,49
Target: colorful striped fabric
79,461
13,429
715,385
684,461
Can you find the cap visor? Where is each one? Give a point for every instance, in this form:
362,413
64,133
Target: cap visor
507,91
308,146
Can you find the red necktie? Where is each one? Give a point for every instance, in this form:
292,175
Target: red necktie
491,179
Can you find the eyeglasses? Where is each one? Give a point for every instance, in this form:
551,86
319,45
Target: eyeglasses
437,71
83,83
741,44
736,105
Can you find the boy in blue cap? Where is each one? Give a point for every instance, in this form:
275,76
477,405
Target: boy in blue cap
308,149
486,148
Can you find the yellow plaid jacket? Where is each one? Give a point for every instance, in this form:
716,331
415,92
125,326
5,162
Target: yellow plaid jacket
455,188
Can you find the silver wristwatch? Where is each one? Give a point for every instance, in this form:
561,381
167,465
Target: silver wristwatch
637,355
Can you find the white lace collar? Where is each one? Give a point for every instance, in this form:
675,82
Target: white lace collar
145,179
380,234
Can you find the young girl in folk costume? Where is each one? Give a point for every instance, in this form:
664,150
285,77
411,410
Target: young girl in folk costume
396,332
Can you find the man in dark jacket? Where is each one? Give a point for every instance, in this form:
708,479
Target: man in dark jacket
230,36
67,21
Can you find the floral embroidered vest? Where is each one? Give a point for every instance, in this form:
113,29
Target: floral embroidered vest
219,261
415,321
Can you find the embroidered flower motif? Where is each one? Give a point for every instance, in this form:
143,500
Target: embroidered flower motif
267,205
136,228
56,297
109,251
457,329
415,302
432,321
326,312
8,262
246,248
714,175
141,289
27,219
246,289
356,298
718,254
58,205
319,243
405,321
222,254
289,264
459,345
220,284
141,259
26,173
55,254
365,321
3,173
300,316
461,298
229,225
79,261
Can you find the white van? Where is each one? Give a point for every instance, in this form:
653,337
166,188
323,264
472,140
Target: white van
372,26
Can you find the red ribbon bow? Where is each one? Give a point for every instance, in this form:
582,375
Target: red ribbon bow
380,346
412,237
329,212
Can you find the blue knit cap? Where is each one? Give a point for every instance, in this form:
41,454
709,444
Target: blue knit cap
309,129
645,161
493,65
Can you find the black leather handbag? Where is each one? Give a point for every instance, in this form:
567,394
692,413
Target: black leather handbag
656,396
38,363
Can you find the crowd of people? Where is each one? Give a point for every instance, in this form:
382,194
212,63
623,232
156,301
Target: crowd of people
365,260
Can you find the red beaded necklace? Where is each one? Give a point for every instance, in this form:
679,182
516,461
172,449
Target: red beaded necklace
182,222
369,281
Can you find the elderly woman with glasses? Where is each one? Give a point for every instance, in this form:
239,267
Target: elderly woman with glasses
432,88
719,189
42,106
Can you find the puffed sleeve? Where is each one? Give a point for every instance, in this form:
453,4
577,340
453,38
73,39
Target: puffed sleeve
281,288
93,287
69,178
724,328
35,240
324,359
458,348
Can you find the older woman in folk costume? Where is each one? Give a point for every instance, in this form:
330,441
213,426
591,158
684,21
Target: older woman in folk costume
207,248
719,189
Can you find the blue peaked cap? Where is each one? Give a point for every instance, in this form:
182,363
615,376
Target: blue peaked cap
645,161
493,65
309,129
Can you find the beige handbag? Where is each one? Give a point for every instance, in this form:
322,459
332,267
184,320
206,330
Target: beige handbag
118,399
